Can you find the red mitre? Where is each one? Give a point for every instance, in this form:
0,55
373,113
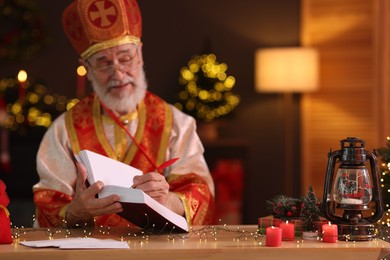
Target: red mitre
94,25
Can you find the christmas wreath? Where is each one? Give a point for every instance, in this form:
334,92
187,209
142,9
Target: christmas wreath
207,92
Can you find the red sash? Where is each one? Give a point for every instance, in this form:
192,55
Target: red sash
155,122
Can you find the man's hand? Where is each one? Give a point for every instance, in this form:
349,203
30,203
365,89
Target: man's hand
155,185
85,205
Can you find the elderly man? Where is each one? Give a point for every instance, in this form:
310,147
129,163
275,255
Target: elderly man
121,120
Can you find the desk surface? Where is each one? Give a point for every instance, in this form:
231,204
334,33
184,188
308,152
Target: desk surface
224,242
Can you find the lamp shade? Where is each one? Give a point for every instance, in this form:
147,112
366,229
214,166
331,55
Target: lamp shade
286,70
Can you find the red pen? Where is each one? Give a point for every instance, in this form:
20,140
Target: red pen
166,164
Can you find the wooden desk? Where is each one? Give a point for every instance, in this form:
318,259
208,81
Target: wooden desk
233,242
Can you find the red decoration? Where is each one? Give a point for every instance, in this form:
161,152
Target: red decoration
228,175
5,165
5,222
284,207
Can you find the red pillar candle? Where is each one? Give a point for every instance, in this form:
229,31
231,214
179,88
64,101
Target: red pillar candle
273,236
288,231
81,78
329,233
22,78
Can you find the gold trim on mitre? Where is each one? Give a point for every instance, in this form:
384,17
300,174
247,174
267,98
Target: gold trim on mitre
108,44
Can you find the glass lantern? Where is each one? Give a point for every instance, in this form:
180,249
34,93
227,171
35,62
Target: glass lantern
352,190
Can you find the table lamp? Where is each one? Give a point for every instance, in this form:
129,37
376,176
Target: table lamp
287,70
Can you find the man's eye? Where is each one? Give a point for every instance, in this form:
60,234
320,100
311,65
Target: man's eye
103,64
124,59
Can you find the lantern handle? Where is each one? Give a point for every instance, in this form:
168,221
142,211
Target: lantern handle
327,202
377,189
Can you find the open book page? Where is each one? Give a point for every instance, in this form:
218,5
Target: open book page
140,209
107,170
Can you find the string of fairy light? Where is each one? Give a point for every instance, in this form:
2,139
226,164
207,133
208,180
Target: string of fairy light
203,233
386,218
28,104
207,92
385,181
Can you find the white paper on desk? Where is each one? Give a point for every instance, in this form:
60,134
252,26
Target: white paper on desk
77,243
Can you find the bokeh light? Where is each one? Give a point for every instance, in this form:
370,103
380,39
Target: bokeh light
207,92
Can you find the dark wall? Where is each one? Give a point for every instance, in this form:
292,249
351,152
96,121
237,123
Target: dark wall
173,31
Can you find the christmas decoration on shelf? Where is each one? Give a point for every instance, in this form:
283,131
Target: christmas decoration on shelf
305,213
284,207
310,211
21,30
29,105
384,153
207,93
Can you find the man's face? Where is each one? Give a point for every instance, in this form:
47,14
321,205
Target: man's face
118,77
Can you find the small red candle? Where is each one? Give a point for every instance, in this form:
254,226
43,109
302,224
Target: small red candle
273,236
329,233
288,231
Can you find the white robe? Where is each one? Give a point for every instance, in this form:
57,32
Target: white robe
55,160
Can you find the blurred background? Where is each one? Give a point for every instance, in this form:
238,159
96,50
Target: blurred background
268,142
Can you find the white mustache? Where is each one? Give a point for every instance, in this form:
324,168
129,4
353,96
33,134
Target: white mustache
115,82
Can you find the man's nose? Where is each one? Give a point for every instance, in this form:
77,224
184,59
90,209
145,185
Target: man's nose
118,71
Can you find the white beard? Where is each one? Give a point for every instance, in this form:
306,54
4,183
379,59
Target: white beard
128,101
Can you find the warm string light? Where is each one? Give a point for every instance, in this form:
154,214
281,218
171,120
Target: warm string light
384,153
33,106
204,233
208,89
